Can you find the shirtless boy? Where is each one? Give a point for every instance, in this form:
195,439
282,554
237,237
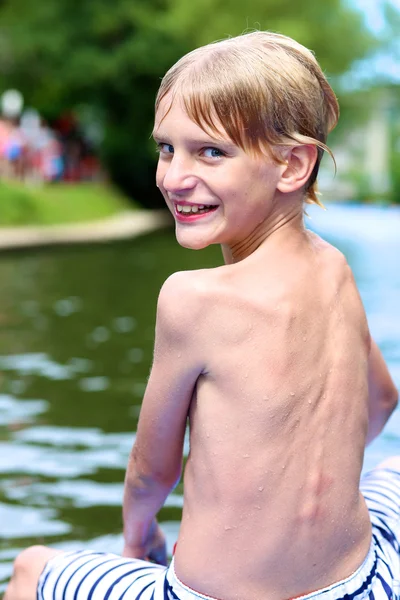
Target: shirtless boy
269,357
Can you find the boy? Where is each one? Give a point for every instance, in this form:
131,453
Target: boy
269,356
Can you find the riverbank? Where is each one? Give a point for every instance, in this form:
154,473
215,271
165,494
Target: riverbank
59,203
70,213
124,225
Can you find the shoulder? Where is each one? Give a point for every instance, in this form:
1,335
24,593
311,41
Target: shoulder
183,300
339,281
333,276
182,287
340,266
333,261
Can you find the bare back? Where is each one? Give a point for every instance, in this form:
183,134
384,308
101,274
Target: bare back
277,429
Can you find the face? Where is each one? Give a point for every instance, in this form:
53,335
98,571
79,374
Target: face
217,193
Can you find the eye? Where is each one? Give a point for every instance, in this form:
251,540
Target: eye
213,153
165,148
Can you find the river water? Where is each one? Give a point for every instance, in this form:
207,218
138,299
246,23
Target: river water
76,339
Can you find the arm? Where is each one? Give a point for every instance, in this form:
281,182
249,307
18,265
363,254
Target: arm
155,462
383,395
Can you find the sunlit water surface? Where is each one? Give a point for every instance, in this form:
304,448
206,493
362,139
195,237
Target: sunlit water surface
77,330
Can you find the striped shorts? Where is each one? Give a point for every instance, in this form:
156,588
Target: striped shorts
86,575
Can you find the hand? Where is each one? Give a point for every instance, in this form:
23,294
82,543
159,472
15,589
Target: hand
154,548
157,547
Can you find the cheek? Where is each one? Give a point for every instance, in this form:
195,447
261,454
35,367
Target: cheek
228,184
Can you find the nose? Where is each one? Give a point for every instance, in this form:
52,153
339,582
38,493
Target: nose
177,176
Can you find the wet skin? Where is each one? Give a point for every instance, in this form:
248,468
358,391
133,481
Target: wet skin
268,356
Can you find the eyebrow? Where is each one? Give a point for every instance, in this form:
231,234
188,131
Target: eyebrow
159,136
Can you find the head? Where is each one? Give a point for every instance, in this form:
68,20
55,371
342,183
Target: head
264,90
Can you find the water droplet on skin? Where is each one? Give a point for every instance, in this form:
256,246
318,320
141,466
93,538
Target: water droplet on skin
260,489
292,394
246,455
227,527
179,354
309,402
257,507
304,339
265,398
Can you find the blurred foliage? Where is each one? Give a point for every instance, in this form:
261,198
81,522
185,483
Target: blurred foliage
356,109
391,11
394,165
65,53
59,203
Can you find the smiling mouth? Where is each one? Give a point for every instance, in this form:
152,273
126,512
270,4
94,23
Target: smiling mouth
194,209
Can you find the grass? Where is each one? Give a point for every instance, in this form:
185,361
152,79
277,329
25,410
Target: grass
58,203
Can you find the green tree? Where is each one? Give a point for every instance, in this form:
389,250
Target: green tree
111,56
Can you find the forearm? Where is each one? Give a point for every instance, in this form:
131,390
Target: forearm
143,498
383,395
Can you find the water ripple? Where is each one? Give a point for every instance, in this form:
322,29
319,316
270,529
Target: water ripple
36,364
26,521
84,437
36,460
13,410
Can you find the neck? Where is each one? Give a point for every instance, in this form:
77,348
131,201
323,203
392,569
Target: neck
265,233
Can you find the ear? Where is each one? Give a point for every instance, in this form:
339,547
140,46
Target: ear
299,163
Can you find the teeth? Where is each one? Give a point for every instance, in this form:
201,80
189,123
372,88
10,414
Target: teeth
194,208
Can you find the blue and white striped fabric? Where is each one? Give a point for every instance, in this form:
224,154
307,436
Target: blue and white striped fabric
86,575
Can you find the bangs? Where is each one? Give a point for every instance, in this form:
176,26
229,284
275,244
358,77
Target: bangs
221,104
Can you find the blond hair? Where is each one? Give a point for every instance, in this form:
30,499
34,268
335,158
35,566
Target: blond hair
264,89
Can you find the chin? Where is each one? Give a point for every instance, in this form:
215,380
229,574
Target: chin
192,242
